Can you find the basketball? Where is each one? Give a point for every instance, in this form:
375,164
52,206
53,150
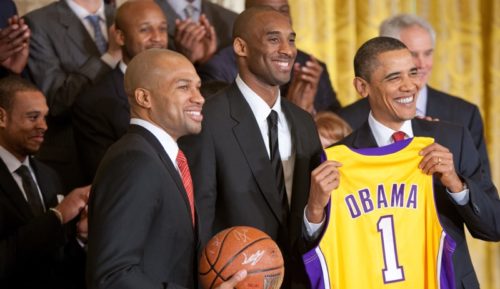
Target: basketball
240,248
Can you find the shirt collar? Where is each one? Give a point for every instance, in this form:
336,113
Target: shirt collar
122,66
259,107
167,142
11,161
422,101
383,134
81,12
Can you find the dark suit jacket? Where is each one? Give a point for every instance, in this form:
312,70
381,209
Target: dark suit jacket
221,18
101,115
223,67
233,177
63,61
140,225
481,215
35,251
439,105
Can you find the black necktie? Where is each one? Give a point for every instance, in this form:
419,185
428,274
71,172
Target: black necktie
31,190
272,123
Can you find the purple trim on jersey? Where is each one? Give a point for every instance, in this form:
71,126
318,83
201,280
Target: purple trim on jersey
314,269
385,150
447,273
322,156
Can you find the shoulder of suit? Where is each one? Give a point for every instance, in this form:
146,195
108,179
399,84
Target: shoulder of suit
209,7
42,14
451,99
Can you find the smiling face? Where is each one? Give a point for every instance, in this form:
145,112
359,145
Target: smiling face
419,42
141,25
22,127
393,88
267,50
176,101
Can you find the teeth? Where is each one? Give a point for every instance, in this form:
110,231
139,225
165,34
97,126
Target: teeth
405,100
283,64
194,112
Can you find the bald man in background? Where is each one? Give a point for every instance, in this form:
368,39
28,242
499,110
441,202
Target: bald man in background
101,114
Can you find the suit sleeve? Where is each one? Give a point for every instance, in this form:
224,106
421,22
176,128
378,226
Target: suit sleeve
482,214
477,132
60,84
123,205
97,125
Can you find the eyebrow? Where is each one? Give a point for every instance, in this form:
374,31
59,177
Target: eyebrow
278,33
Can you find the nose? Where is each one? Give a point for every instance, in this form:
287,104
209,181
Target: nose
419,60
410,84
42,124
287,48
197,97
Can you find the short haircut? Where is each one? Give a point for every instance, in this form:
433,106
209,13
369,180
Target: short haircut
244,20
365,59
11,85
392,27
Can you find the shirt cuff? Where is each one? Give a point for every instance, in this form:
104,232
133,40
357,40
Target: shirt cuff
109,60
313,229
461,198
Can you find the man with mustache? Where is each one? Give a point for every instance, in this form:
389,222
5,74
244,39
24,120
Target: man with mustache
101,113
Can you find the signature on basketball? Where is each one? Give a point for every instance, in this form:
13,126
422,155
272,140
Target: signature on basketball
254,258
241,235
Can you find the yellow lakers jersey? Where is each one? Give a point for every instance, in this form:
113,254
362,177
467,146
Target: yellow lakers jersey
382,227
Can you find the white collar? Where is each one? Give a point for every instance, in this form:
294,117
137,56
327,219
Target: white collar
81,12
383,134
11,161
167,142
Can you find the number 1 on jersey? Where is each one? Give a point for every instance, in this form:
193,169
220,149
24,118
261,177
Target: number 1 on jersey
392,271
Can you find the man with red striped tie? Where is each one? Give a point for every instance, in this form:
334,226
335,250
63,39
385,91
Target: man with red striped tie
143,228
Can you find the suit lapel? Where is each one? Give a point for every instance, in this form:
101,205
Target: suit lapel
363,138
45,184
13,193
249,138
151,139
75,30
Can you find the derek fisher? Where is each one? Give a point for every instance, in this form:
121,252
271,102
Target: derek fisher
384,196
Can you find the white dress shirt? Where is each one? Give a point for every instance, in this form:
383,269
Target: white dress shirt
13,164
422,101
167,142
82,13
180,5
261,111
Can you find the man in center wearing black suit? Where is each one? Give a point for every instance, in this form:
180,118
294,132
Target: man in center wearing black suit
238,178
387,76
101,114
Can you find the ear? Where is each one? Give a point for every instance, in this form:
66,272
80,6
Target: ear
240,46
3,117
142,97
361,86
119,37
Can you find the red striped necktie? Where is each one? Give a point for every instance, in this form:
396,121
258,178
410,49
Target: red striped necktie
186,180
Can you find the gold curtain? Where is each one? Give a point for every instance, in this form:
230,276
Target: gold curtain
466,63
